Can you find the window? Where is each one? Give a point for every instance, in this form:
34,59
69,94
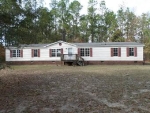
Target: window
35,52
84,52
16,53
55,52
115,52
131,51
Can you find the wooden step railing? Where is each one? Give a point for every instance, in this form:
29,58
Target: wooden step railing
80,60
68,57
75,58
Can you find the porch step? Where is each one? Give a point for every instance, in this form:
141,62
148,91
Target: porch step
73,59
80,63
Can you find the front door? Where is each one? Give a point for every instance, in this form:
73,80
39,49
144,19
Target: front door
71,55
69,51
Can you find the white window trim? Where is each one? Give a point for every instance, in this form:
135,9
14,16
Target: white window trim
16,53
56,52
114,52
85,52
34,51
133,52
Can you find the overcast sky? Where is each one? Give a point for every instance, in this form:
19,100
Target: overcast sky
138,6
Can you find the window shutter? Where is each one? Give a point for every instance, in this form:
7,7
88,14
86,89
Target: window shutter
119,53
127,51
91,52
79,51
111,52
32,51
21,52
61,50
135,51
38,52
50,53
10,53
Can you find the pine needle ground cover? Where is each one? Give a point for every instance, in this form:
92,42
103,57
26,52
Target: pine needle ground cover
68,89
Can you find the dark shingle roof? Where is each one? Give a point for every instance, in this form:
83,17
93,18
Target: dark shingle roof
33,45
99,44
108,44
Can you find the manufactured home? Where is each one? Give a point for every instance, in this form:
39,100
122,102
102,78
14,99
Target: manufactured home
61,52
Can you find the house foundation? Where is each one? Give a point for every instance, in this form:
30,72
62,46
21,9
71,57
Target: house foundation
85,62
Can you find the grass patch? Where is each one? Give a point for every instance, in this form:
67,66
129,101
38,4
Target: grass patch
51,88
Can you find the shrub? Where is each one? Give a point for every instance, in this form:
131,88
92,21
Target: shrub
2,54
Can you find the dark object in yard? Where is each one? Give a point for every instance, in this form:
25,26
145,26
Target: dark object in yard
3,66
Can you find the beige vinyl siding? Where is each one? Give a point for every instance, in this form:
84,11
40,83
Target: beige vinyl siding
104,54
98,54
44,53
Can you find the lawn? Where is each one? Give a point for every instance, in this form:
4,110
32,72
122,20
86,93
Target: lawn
68,89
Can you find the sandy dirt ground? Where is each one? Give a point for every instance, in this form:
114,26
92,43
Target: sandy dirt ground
68,89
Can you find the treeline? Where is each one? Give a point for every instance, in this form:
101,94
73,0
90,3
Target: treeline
28,21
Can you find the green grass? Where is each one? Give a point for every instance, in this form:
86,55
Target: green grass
61,89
